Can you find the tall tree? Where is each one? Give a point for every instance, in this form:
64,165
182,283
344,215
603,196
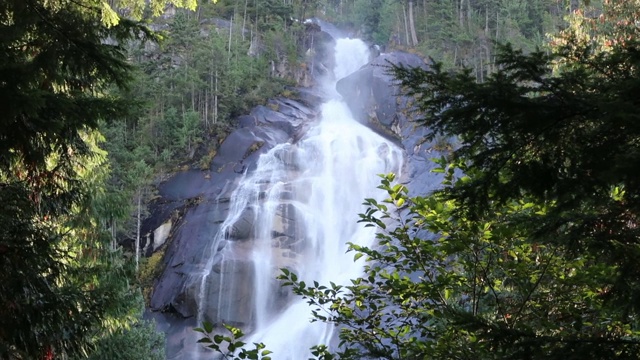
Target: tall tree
61,283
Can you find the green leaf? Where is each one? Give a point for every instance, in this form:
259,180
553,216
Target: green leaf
208,327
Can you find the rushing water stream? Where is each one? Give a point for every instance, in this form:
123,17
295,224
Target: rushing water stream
304,199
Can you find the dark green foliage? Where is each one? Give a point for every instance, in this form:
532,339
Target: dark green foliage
54,61
35,312
61,284
566,142
569,139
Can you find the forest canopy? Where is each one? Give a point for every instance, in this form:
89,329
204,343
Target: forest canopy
62,282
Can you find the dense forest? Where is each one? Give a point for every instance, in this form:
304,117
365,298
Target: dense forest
536,244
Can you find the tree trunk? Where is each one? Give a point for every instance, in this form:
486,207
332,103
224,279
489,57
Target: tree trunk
398,24
406,25
193,95
206,108
482,71
469,15
478,54
412,26
230,33
215,101
455,55
138,230
244,18
486,21
488,51
113,235
497,24
426,20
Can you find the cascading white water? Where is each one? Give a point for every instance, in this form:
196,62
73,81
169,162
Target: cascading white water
306,198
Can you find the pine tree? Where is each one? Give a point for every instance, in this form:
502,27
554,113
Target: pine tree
60,282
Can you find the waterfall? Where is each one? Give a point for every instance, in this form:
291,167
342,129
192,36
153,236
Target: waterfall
302,204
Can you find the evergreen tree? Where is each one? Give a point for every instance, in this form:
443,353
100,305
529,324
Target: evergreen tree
62,285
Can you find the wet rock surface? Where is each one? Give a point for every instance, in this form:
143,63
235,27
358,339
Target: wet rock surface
206,192
376,100
198,202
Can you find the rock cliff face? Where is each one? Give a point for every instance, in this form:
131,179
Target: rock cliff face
206,196
198,203
194,204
